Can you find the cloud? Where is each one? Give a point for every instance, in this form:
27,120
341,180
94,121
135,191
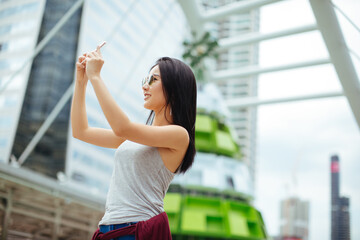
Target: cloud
287,137
303,135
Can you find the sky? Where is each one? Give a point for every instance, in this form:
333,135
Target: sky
295,140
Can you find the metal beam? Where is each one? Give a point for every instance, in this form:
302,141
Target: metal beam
254,102
57,220
67,95
49,120
52,219
223,75
45,41
7,214
227,43
234,8
31,179
331,32
192,14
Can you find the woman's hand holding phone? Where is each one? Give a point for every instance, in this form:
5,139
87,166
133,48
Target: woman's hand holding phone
81,76
94,62
81,64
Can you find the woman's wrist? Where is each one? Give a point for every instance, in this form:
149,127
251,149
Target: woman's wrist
95,78
81,83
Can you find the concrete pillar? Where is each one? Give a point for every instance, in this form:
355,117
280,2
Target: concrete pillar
7,214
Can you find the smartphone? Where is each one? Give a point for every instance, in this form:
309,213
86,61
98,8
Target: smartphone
99,46
102,44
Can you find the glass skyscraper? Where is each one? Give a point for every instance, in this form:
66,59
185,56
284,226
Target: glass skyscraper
340,216
20,24
50,76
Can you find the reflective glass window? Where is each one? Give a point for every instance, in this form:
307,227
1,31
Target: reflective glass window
3,142
24,8
5,121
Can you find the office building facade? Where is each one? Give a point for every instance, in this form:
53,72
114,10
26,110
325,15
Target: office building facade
294,219
340,216
20,24
243,120
50,76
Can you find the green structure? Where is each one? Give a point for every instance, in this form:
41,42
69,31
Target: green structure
210,201
200,212
203,217
215,137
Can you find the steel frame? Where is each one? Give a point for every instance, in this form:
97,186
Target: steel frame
326,22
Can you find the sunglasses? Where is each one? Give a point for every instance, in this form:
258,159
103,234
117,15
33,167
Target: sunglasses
149,80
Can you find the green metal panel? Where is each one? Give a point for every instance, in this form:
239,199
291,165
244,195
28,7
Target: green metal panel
172,202
204,133
193,221
212,136
200,216
238,225
204,124
208,211
172,206
225,144
238,211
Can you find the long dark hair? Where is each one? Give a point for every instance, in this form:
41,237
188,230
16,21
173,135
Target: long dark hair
179,87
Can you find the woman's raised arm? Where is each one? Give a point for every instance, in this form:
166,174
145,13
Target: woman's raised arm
79,123
170,136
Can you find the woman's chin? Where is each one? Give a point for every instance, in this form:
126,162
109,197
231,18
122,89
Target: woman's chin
146,105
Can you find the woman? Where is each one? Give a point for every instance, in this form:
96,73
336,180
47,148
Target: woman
147,156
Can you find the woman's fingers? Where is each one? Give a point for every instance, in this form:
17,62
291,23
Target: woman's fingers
93,54
81,58
100,46
97,51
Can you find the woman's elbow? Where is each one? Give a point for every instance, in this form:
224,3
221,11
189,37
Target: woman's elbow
75,134
121,131
78,134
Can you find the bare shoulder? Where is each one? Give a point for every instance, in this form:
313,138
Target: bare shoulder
173,137
172,157
180,133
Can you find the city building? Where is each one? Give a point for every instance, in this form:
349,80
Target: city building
50,76
344,218
340,216
294,219
242,119
20,24
214,198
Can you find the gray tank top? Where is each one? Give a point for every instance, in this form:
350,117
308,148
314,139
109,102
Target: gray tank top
138,185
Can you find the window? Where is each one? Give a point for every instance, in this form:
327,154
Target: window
230,182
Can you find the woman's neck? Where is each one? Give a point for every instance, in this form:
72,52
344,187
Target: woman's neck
160,119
